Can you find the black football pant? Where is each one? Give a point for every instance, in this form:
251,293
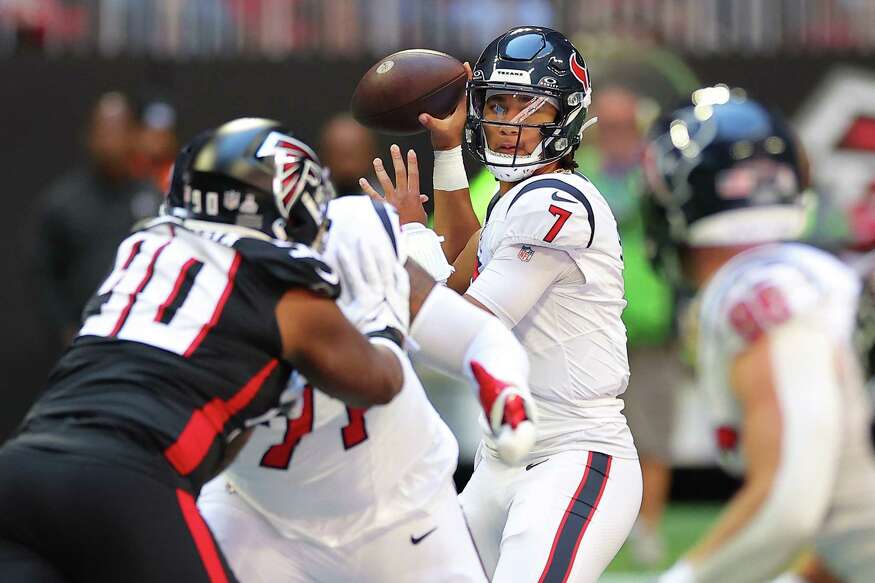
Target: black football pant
68,517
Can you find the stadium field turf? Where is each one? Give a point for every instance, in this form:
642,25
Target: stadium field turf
682,526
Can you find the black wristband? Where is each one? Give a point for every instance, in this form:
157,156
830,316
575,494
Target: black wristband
389,333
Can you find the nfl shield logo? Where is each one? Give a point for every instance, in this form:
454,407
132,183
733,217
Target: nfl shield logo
525,253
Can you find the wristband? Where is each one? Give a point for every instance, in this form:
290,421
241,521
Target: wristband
449,170
389,333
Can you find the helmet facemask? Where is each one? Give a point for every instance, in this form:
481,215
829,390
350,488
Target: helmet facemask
302,190
505,113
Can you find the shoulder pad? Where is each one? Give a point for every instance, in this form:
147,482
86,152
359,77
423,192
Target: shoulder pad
290,265
555,210
752,296
357,220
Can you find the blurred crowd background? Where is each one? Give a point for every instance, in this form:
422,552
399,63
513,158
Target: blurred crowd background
349,28
97,95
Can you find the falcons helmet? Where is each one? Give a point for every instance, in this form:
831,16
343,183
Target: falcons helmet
251,173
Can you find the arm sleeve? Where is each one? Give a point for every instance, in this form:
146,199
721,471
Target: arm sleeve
476,336
516,277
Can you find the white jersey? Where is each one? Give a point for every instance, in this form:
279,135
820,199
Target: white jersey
331,473
550,266
764,288
755,291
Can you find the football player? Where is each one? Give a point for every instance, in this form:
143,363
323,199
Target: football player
335,493
774,346
197,328
548,264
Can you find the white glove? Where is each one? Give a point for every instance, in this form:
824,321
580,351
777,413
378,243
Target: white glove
510,413
375,288
424,246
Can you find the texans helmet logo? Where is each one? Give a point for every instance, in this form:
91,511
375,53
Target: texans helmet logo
579,71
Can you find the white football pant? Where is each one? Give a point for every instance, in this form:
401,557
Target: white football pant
560,519
431,546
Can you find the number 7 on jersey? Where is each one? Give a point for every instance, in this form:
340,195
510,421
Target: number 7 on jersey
561,215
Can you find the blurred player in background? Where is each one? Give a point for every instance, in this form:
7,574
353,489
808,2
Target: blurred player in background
347,148
775,353
158,143
548,264
196,330
106,196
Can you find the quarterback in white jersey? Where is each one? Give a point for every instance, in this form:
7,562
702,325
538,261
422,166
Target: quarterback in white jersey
774,348
335,493
548,263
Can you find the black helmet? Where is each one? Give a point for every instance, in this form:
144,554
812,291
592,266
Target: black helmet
541,66
251,173
724,171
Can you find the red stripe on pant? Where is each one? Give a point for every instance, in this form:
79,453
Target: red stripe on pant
576,519
203,539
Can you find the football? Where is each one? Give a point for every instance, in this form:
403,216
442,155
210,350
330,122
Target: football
392,94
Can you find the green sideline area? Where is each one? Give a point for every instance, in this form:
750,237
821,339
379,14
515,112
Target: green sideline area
682,526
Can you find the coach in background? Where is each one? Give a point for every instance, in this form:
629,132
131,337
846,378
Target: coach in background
102,196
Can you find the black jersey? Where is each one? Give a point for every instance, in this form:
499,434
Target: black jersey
180,344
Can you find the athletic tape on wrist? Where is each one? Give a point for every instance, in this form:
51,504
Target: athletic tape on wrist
449,170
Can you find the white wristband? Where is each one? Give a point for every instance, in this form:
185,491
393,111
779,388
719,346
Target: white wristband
449,170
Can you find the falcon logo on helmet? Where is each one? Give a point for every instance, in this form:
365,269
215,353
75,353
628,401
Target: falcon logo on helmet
285,190
530,65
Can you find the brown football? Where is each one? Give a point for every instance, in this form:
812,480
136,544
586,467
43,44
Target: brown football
392,94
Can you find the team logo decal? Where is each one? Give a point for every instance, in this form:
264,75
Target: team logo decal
296,167
231,199
249,206
579,71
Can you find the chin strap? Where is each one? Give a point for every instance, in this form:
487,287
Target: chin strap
524,166
513,173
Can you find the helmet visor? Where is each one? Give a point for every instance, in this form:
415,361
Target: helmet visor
517,107
514,123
